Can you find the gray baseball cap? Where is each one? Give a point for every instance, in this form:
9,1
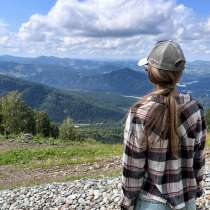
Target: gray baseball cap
166,55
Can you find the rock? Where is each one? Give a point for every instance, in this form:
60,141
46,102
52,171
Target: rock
27,137
103,194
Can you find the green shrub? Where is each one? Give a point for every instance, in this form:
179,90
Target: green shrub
68,132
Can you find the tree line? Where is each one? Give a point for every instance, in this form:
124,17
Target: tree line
17,117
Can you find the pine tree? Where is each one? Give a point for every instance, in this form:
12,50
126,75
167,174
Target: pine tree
42,123
16,115
54,130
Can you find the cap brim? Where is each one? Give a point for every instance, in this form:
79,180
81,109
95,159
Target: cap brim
143,62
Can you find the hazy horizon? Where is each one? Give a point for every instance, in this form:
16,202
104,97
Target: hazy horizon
91,58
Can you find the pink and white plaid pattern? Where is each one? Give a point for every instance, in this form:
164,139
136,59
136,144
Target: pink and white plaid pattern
157,172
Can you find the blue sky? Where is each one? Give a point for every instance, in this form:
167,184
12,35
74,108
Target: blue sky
200,7
103,28
15,12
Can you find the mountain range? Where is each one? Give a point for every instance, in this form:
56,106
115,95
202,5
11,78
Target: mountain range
90,83
82,106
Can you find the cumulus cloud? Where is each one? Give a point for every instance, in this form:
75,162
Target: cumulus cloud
109,28
104,18
7,38
3,32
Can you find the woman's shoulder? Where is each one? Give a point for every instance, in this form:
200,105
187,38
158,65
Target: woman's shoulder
196,102
141,111
199,104
191,98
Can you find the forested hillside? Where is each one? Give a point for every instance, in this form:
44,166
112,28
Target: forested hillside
60,104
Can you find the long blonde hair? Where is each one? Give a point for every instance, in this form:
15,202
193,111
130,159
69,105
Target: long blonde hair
165,115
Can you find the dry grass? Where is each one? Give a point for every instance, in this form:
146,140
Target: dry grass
208,139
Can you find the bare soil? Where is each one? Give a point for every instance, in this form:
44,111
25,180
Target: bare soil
11,177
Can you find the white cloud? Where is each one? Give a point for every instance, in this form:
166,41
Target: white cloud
8,40
3,32
109,28
104,18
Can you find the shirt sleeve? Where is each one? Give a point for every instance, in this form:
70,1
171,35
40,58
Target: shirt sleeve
133,161
199,152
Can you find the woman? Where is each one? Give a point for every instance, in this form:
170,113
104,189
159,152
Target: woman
164,139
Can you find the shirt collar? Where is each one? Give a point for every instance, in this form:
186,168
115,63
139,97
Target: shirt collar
182,98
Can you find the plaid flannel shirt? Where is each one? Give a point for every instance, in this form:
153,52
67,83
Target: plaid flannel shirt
164,178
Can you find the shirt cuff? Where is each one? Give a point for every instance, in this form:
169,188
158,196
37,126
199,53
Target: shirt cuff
200,188
127,208
127,203
199,192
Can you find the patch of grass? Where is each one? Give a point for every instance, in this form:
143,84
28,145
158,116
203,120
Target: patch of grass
65,154
208,139
3,138
45,164
34,182
114,173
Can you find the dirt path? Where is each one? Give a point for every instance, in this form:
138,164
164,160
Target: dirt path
8,145
12,177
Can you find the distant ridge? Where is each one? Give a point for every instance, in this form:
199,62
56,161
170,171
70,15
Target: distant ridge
121,77
60,104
